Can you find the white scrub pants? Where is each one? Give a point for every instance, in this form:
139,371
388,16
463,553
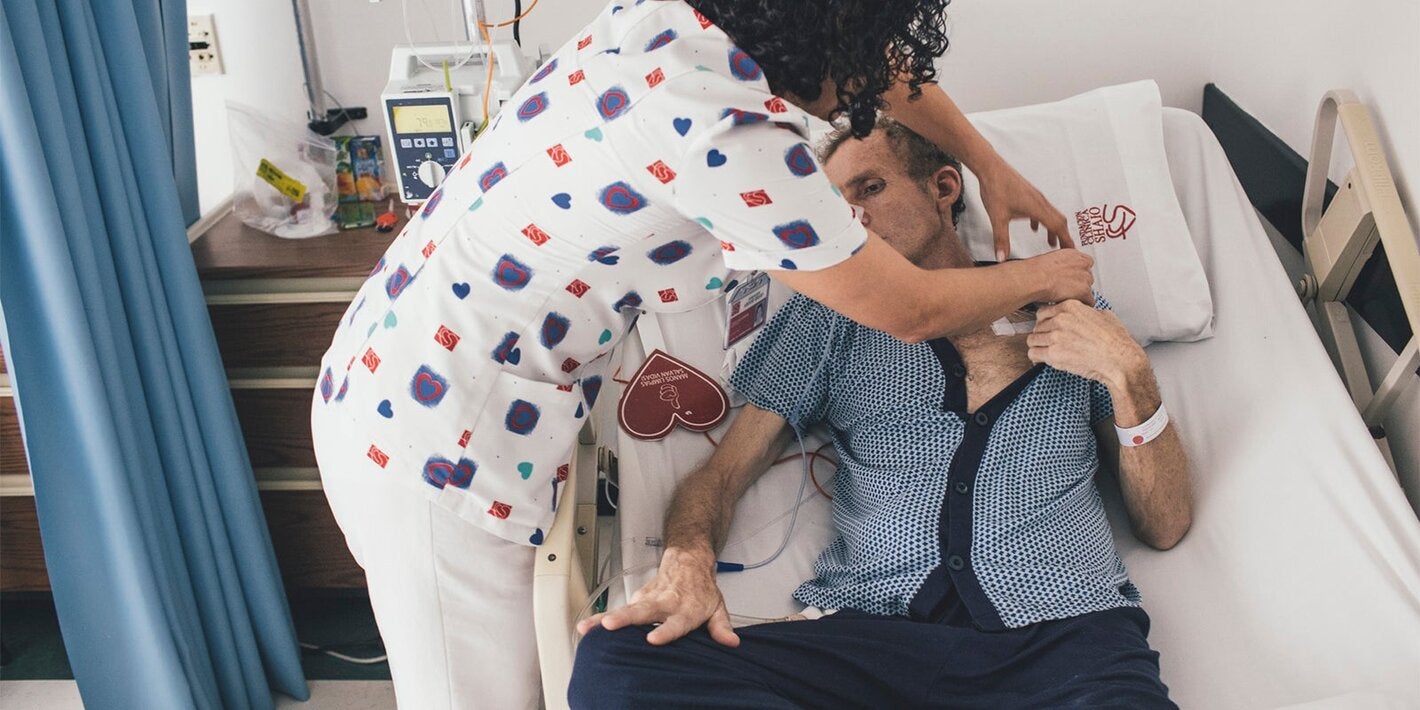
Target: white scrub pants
453,603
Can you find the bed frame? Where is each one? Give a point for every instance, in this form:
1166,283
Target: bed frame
1358,247
1346,245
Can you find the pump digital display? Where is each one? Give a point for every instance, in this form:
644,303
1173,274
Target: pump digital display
422,119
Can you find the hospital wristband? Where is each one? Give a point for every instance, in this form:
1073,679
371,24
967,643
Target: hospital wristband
1145,432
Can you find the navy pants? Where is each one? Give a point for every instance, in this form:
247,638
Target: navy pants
857,660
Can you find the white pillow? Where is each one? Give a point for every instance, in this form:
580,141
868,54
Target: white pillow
1099,158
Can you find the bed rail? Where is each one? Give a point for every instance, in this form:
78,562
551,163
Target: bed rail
560,574
1339,240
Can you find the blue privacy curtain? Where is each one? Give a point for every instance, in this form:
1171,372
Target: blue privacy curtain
162,570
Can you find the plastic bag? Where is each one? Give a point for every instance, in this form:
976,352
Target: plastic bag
285,175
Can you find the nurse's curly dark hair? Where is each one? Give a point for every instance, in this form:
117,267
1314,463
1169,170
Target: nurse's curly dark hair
862,45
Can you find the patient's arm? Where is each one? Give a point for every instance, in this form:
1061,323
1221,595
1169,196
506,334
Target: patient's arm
1153,477
683,595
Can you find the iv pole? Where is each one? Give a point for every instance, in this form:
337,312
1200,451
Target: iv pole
321,119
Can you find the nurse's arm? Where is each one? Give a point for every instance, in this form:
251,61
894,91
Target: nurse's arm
683,596
881,289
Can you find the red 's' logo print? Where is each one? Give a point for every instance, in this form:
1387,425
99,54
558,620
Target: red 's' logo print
727,246
429,249
776,105
446,338
576,77
756,198
463,440
379,457
559,155
1098,224
661,171
535,234
578,288
370,359
582,44
704,21
570,364
655,78
668,295
563,471
1120,219
564,388
500,510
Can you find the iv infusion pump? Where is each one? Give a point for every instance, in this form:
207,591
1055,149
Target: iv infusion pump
431,122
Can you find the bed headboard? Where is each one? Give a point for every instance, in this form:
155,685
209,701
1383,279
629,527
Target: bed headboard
1274,177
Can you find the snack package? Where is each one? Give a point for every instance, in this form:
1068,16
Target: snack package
344,172
366,159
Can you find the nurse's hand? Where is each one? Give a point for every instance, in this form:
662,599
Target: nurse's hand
1066,275
1009,196
681,598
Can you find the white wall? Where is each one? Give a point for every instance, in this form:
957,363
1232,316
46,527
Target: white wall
1012,52
355,37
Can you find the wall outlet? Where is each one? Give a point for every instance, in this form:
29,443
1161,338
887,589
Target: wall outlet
202,46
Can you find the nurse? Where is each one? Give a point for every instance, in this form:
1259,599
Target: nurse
653,159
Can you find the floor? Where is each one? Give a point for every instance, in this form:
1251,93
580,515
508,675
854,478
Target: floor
325,695
37,673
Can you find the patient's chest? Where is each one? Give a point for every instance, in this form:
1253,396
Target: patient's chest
992,363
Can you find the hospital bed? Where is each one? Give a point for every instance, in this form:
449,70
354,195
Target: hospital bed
1298,585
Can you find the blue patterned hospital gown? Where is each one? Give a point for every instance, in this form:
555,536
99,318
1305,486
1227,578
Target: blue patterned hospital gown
996,508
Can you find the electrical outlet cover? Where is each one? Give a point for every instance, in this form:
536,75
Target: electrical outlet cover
203,54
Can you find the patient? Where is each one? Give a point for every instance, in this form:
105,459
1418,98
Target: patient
973,565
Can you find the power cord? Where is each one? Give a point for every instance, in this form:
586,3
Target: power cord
331,650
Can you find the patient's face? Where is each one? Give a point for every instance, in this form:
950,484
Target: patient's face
906,213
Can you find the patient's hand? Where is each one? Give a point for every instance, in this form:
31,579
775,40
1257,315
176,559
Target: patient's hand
681,598
1094,344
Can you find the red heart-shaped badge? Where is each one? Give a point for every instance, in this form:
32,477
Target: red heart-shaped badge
666,392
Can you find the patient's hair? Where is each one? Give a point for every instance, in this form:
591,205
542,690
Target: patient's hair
863,45
922,157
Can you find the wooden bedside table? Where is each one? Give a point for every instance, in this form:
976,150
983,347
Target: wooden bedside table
274,304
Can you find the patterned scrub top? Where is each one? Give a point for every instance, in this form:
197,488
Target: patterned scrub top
936,508
640,166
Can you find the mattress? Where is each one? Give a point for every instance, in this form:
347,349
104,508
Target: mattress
1299,583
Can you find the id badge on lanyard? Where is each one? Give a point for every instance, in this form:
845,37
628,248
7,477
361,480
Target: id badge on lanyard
747,308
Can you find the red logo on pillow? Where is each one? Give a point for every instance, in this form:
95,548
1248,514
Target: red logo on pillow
1098,224
1120,219
666,392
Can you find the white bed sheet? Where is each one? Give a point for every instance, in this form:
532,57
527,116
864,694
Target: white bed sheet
1299,583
